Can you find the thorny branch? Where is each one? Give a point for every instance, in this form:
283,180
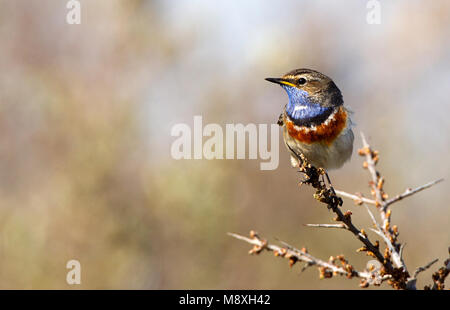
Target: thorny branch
440,275
410,192
393,268
326,269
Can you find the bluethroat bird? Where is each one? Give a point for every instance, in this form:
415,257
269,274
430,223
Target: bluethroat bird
315,122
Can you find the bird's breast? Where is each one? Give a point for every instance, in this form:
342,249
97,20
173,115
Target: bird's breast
325,132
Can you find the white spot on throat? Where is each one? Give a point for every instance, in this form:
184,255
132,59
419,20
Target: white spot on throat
300,107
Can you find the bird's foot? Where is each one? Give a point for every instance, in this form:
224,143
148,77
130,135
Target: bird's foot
328,196
312,176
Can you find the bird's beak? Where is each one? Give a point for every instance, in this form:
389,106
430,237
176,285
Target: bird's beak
280,81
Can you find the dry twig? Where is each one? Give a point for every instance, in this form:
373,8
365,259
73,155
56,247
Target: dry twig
327,225
410,192
393,269
358,199
326,269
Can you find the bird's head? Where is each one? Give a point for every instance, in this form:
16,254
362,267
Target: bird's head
313,96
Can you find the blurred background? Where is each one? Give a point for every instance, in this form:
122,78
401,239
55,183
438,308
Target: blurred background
86,113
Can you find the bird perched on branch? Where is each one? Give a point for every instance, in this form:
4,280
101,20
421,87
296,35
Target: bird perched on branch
315,122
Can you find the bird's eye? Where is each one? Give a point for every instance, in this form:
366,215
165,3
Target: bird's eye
301,81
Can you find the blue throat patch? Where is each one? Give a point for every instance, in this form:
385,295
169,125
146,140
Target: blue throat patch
302,111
